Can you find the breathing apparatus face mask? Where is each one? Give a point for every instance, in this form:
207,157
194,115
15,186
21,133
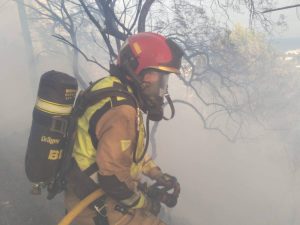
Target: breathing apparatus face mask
153,89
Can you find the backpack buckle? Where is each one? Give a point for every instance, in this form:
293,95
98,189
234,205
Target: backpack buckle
59,125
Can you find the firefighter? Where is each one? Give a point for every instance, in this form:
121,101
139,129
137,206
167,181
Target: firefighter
110,145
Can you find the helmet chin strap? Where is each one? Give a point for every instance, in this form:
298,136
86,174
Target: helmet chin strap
170,103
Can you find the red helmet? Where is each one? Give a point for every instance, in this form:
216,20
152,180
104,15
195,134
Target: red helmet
150,50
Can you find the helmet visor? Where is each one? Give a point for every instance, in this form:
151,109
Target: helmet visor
155,83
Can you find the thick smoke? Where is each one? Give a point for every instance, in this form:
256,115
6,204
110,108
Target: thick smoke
243,183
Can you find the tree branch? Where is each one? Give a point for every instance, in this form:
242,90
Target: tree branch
65,41
100,29
144,12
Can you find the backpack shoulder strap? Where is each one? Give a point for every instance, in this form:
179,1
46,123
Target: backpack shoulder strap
88,98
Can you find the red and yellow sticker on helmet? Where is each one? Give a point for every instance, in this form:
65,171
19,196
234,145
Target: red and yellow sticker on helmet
137,48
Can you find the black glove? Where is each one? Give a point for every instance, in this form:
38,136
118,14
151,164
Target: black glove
153,205
170,200
167,181
164,184
166,190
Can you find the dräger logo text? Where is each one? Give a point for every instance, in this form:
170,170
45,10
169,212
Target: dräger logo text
49,140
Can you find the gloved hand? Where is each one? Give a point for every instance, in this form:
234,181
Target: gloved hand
170,200
168,181
166,190
165,183
152,205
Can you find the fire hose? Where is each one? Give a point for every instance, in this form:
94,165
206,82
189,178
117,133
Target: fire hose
154,191
80,207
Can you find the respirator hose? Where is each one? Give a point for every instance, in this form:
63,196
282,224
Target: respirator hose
170,103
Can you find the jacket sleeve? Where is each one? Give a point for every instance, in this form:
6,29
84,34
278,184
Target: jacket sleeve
150,169
116,132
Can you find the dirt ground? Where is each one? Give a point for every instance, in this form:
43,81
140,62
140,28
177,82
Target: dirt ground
17,205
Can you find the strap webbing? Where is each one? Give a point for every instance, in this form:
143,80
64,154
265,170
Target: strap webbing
99,113
93,122
91,98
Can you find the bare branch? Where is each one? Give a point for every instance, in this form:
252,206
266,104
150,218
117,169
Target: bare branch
99,27
144,12
65,41
282,8
204,120
110,20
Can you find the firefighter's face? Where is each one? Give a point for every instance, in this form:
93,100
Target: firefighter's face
154,88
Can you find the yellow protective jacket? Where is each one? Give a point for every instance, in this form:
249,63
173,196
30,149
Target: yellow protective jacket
106,137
